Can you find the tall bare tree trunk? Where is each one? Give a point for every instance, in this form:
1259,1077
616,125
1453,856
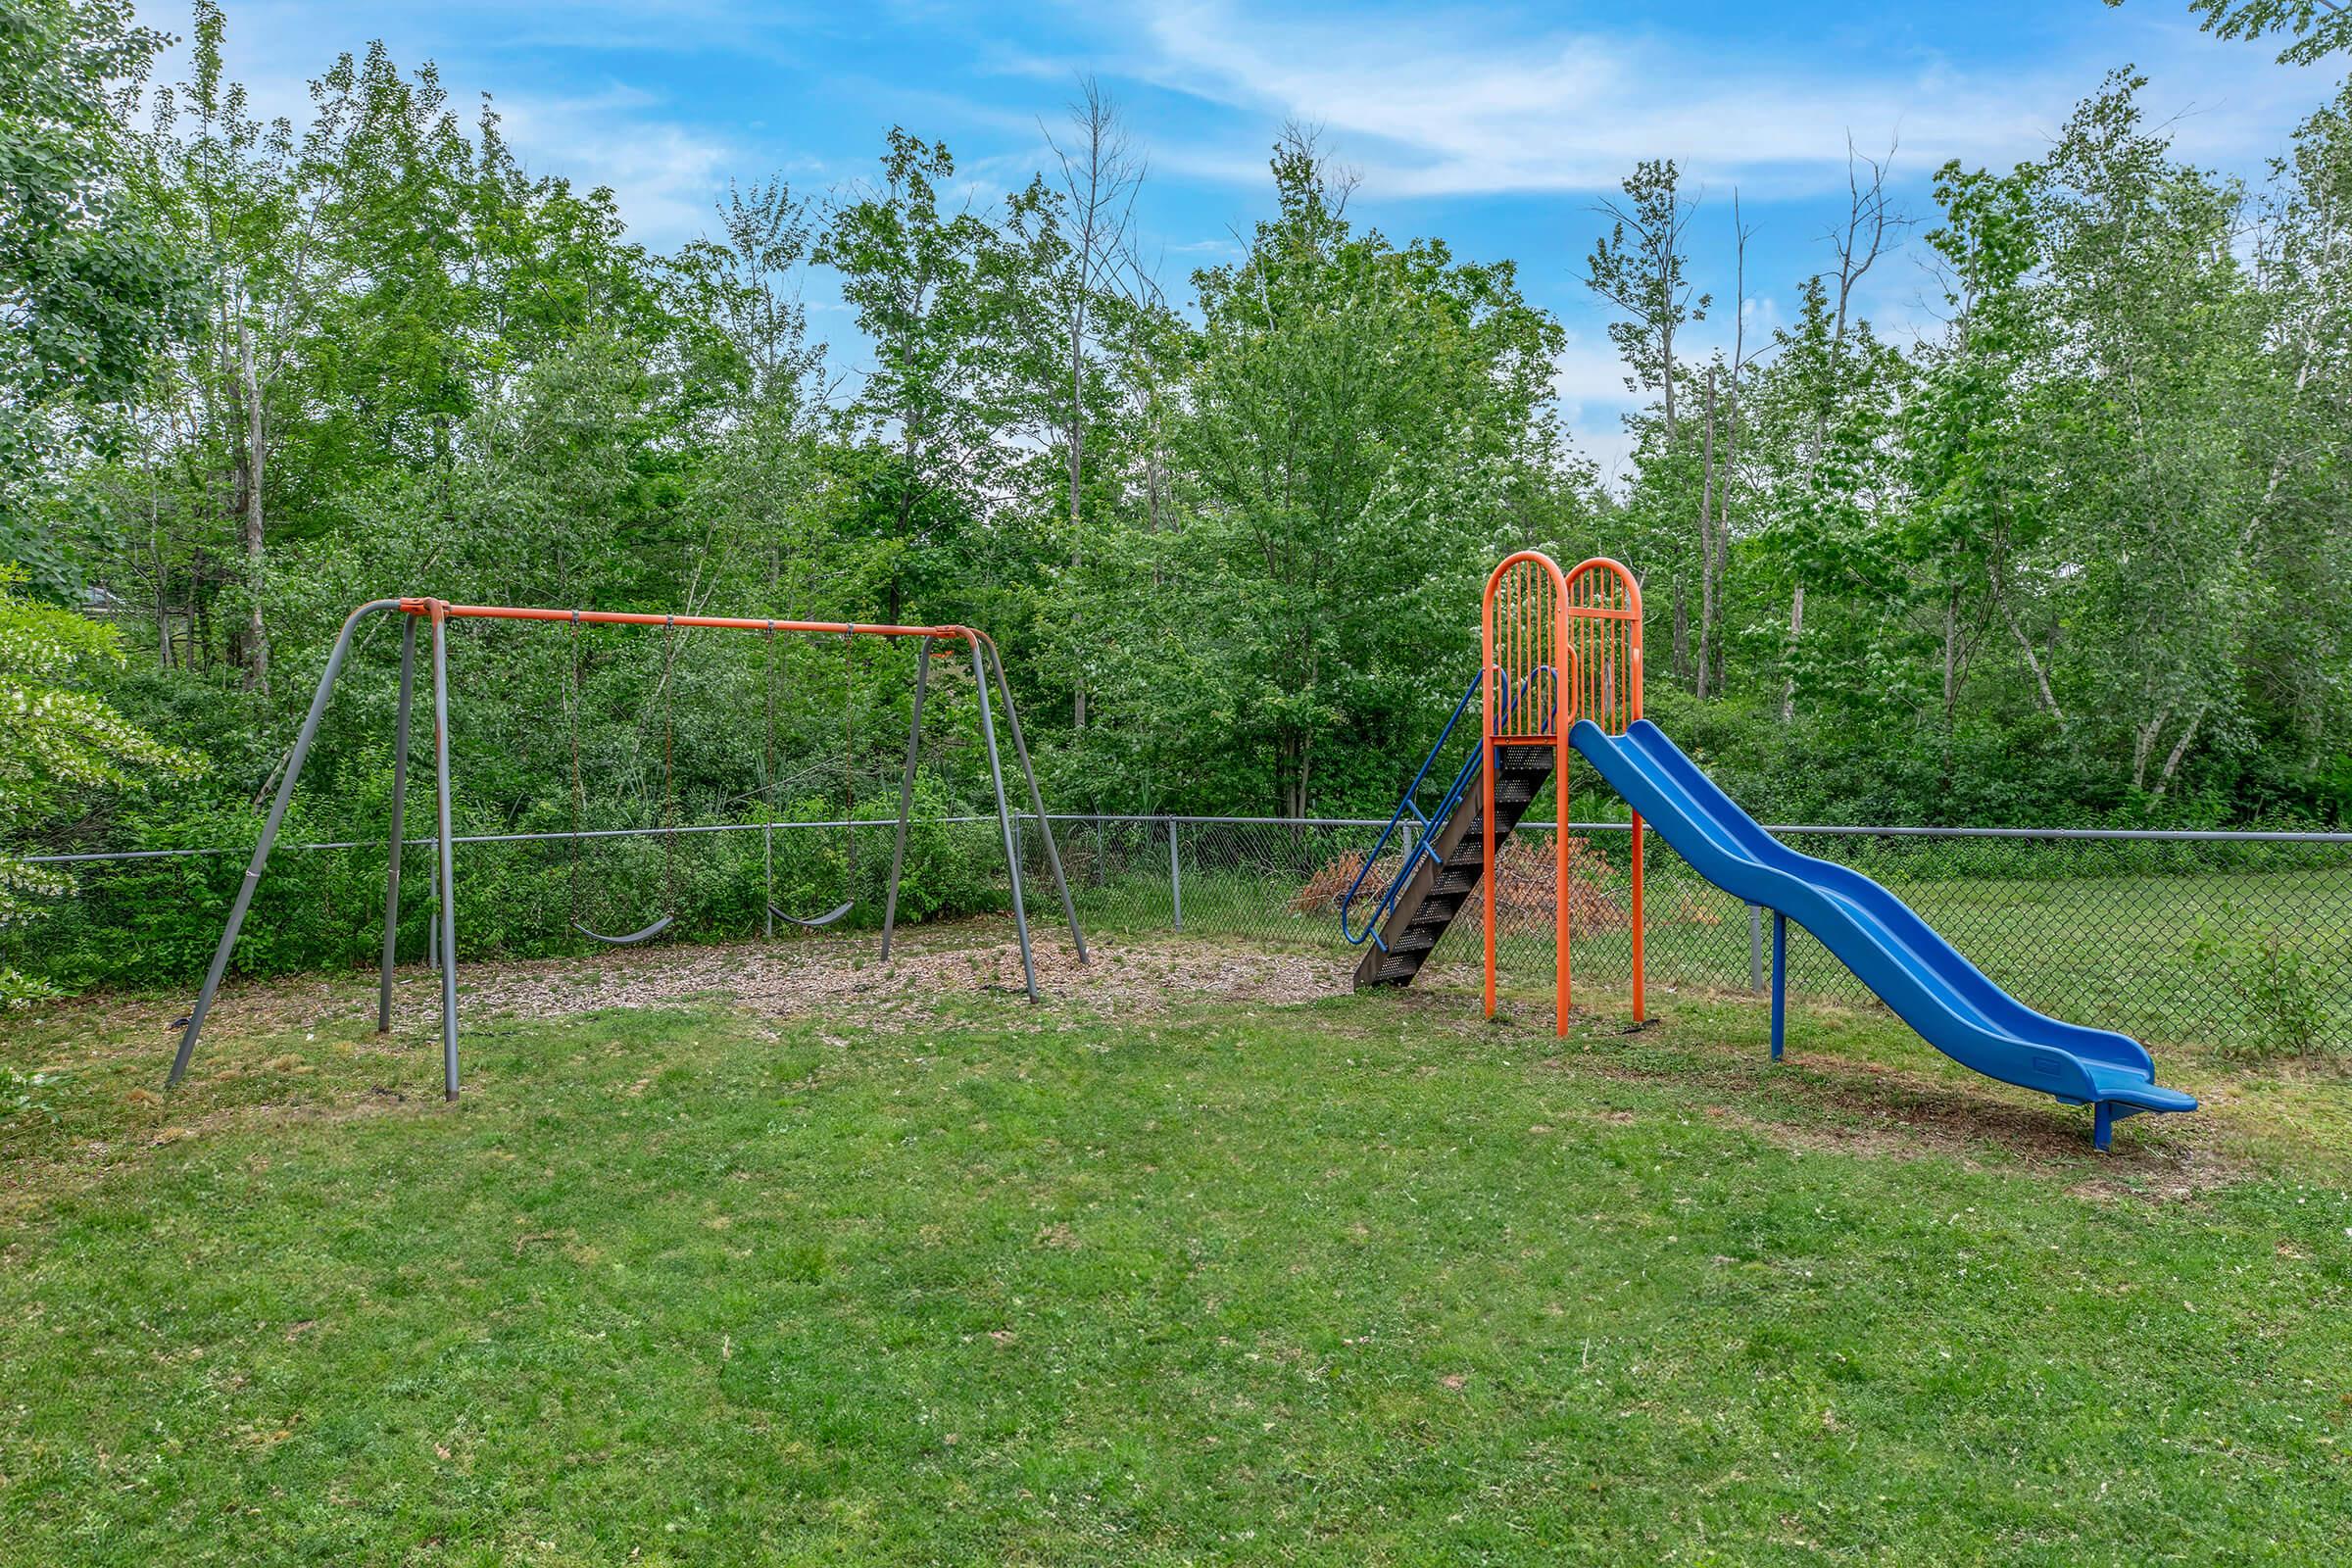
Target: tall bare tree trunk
1077,472
1682,630
1731,435
1706,543
2172,764
1951,655
1796,624
1722,525
257,462
2025,643
2143,743
163,578
1101,176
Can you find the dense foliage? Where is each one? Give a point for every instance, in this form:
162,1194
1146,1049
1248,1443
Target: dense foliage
55,736
2079,554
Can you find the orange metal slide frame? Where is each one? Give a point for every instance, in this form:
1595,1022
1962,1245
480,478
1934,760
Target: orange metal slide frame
1581,632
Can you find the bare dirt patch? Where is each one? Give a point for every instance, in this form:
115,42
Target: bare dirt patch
930,969
1888,1116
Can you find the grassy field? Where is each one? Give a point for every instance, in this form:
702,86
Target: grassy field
1145,1277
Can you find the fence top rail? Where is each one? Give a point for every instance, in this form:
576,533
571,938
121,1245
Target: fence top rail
2125,835
2157,835
1107,820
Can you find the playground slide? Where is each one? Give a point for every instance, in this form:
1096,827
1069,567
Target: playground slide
1948,1000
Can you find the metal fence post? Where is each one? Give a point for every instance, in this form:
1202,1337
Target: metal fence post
1755,948
1175,875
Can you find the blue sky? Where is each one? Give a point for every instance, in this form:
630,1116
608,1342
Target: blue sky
1496,126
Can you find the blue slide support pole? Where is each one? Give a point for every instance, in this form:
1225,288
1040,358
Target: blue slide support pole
1780,982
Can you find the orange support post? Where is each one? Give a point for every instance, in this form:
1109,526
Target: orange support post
1607,601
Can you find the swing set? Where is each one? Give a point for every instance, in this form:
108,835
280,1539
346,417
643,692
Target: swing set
668,823
988,666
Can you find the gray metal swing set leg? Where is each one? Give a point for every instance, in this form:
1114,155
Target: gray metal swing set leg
277,815
400,791
446,914
985,665
1036,804
444,932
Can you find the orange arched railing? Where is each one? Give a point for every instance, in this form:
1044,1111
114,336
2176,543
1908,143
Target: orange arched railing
1605,604
1605,613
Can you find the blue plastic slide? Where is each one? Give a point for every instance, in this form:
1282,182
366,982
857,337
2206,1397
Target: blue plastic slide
1926,981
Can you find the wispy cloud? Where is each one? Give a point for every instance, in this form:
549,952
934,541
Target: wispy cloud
665,174
1437,104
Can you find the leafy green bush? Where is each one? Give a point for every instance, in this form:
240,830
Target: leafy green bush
54,734
2283,989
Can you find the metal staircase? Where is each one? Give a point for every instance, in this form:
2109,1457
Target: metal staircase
1445,862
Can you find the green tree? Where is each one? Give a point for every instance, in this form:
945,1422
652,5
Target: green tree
56,735
2318,28
1360,419
1819,417
1971,432
2153,500
2296,413
920,280
91,285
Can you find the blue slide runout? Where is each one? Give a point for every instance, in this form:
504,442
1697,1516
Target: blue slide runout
1924,978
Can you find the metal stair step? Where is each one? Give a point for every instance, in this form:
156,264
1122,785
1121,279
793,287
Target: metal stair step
1413,931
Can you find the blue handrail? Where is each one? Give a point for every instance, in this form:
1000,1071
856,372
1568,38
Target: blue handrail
1406,806
1445,807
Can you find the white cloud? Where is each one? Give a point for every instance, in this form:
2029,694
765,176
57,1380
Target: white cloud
1588,372
1435,106
666,176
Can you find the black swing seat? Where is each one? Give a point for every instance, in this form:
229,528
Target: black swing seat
631,939
813,922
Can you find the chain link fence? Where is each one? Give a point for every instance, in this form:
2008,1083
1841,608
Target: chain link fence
2237,941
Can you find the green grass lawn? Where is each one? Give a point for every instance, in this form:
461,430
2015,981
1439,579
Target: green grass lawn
1362,1280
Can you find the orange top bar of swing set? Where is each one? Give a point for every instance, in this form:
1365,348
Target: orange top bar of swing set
628,618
